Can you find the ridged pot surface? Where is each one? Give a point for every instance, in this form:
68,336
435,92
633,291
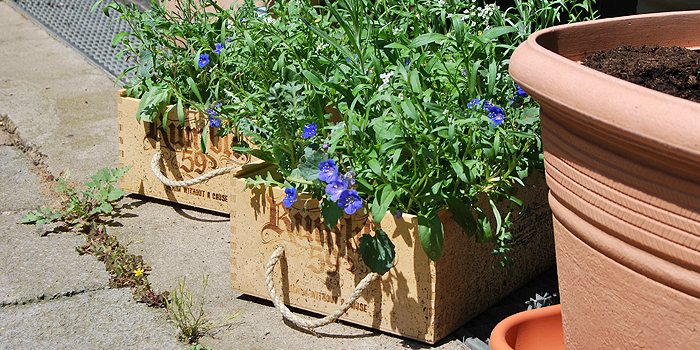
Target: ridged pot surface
623,166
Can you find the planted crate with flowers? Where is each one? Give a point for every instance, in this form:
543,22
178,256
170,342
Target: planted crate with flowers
170,132
406,163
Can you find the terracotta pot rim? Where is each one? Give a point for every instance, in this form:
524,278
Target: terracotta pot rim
539,63
500,334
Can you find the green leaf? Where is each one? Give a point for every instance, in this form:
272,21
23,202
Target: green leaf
431,235
31,217
458,167
462,215
495,32
180,112
314,79
117,173
425,39
106,207
396,46
379,210
484,233
117,38
377,251
331,212
114,194
309,169
195,90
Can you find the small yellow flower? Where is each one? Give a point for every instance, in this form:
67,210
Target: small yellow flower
138,272
317,20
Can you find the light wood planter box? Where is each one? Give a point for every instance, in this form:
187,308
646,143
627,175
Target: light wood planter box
417,298
182,157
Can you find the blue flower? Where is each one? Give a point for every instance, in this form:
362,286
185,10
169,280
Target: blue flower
329,171
290,198
487,105
406,62
475,102
496,115
214,122
335,188
520,92
203,60
219,48
309,131
350,201
398,213
325,146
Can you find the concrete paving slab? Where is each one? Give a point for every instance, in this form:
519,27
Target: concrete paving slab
58,101
34,268
104,319
20,186
179,243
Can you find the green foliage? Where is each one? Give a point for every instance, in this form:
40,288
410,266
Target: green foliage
411,99
187,311
198,347
80,209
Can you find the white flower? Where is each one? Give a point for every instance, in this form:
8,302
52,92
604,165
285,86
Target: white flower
441,2
445,111
401,96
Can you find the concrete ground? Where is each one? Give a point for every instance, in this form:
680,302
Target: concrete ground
60,114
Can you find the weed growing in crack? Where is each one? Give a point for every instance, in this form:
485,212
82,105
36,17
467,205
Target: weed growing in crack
78,210
188,312
82,211
126,270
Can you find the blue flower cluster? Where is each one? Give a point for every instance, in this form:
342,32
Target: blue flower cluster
339,188
496,113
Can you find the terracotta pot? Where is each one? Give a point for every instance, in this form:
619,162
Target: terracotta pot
622,163
536,329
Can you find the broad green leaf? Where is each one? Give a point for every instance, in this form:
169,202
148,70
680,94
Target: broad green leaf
309,168
381,205
331,212
458,167
462,215
377,251
495,32
431,235
425,39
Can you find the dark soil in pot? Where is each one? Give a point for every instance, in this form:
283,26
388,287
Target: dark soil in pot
672,70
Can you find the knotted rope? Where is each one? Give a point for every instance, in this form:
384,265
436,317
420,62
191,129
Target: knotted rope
304,322
155,166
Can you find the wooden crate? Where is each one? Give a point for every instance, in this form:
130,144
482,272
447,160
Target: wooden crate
182,157
417,298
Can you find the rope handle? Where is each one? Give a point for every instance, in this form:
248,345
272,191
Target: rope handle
155,167
304,322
